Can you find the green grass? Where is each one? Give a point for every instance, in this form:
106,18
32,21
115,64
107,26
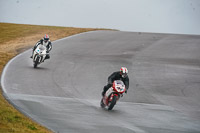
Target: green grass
13,37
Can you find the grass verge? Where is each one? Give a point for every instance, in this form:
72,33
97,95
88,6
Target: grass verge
15,38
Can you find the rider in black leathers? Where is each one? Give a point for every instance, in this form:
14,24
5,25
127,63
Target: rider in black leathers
46,42
119,75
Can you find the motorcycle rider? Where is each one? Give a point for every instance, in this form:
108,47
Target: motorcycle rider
119,75
46,42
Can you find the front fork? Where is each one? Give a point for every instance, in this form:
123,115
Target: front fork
109,99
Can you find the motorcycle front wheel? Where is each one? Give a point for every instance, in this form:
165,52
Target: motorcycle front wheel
112,103
36,62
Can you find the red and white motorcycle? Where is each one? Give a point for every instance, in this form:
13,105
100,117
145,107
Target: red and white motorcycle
113,94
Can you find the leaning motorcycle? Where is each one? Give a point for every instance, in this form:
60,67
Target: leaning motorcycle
39,55
113,94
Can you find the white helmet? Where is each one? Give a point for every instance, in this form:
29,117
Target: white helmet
123,71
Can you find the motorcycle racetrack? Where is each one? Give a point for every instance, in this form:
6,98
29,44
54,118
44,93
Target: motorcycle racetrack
64,93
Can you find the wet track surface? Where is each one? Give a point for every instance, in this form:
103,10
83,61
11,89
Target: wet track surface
64,92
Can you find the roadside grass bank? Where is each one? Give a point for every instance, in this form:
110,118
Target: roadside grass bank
14,39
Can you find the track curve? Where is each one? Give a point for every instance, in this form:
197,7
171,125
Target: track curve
64,92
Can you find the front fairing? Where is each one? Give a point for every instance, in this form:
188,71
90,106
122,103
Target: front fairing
41,50
118,86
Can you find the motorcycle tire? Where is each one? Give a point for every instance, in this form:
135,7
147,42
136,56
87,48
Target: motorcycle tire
112,103
36,62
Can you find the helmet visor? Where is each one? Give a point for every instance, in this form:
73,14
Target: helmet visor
124,75
46,39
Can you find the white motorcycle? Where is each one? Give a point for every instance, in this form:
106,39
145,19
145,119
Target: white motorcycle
39,55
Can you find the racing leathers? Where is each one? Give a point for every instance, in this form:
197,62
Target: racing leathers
116,76
47,44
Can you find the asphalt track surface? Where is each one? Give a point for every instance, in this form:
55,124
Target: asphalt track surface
64,92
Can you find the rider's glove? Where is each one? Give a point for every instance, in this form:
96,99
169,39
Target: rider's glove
47,50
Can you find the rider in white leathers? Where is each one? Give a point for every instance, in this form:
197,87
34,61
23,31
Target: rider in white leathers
46,42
